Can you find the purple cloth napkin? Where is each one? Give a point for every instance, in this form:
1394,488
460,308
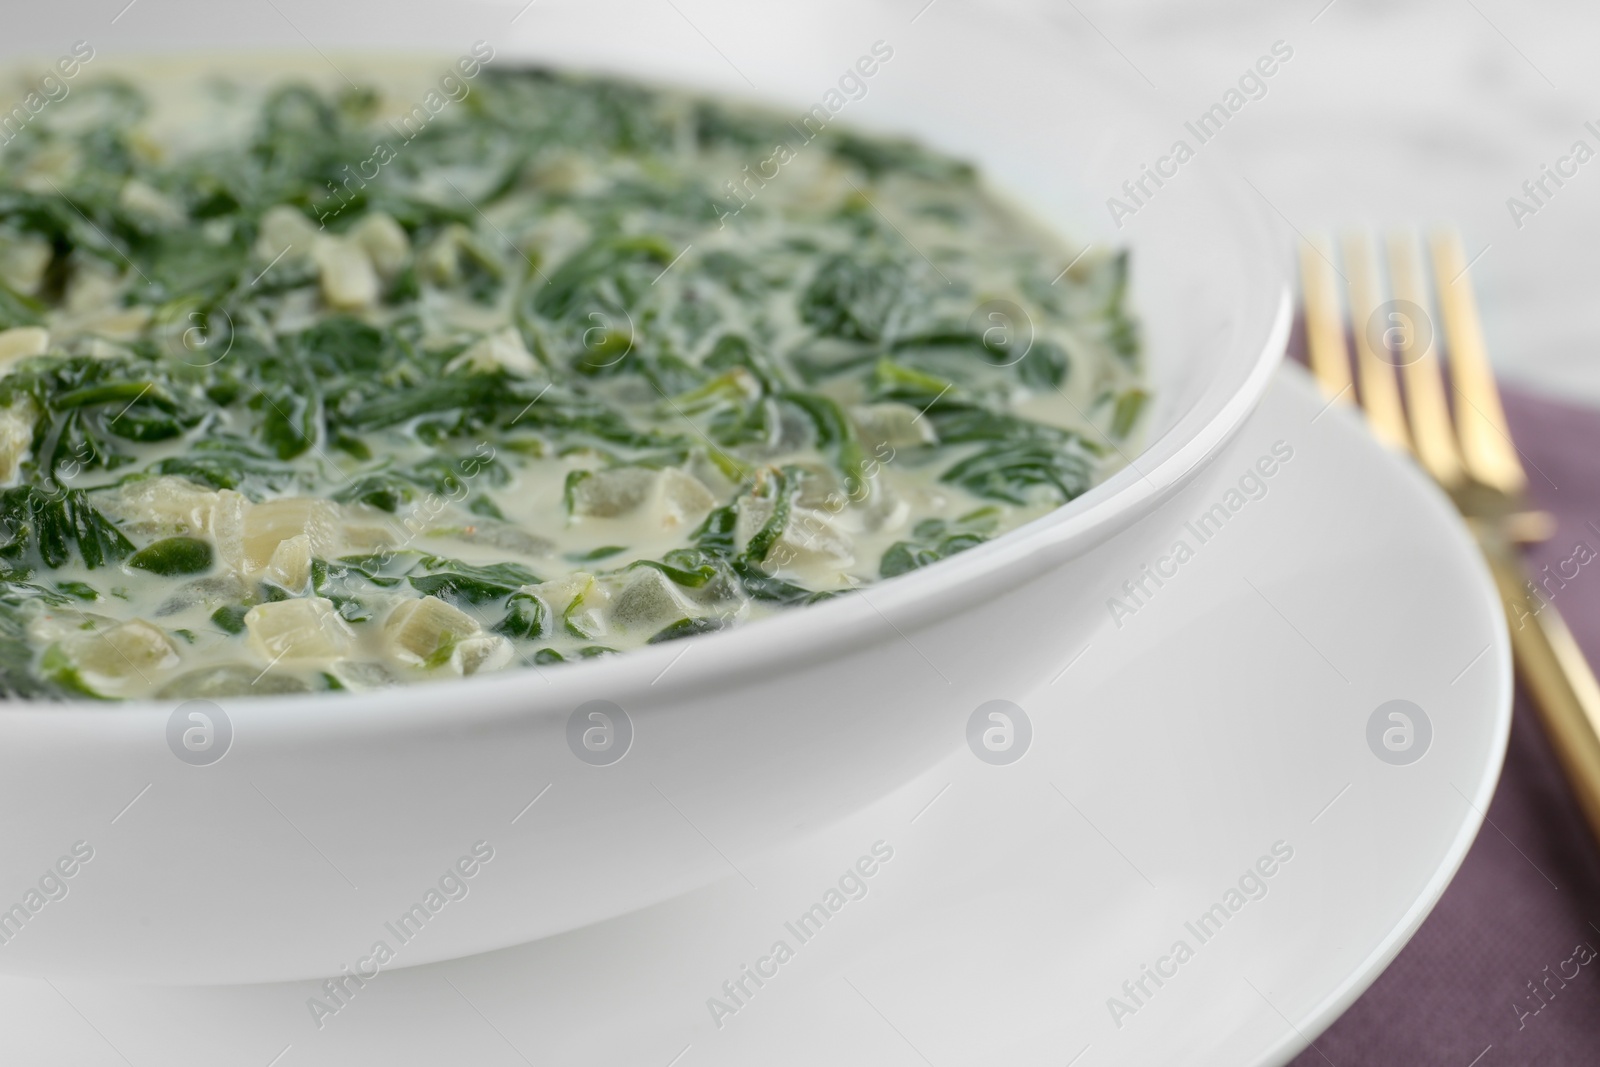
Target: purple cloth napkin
1497,974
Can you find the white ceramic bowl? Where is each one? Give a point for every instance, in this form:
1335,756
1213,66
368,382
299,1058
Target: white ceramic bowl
331,816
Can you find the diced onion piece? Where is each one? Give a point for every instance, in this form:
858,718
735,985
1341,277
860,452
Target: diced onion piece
16,436
367,536
498,351
703,469
23,261
609,494
231,680
384,241
362,675
22,342
298,309
440,262
349,282
556,236
100,347
226,526
649,602
810,540
269,524
578,599
51,161
506,536
104,329
290,566
364,527
680,500
165,505
477,655
122,324
213,592
884,510
893,425
92,288
303,632
568,172
417,632
132,649
142,199
816,540
47,624
855,505
821,487
669,498
285,232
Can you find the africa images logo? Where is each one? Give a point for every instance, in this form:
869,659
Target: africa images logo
199,732
1399,732
599,732
999,732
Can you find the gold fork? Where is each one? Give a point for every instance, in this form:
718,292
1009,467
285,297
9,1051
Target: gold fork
1467,450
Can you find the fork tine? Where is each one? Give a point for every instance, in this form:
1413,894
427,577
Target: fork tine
1431,431
1380,388
1486,448
1330,358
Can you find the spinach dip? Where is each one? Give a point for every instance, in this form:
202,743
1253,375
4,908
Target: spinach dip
309,385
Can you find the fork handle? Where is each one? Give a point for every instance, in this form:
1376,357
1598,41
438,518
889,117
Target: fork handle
1558,677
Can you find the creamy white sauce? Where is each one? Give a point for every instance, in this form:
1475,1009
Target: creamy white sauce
838,543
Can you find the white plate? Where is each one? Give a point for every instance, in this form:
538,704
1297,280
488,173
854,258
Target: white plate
1227,714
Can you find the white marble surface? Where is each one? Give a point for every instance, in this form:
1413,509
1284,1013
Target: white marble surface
1391,111
1411,111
